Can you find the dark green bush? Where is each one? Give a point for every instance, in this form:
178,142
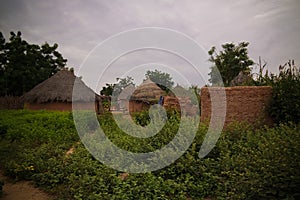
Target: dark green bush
285,105
246,163
141,118
261,164
3,130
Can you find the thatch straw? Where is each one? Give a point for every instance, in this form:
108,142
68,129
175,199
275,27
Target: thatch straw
241,79
147,91
59,88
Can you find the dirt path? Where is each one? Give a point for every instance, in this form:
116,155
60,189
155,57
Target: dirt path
21,190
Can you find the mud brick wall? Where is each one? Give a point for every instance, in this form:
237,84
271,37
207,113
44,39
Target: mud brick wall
244,103
172,102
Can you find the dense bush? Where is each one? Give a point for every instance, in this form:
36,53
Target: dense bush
246,163
141,118
259,164
285,105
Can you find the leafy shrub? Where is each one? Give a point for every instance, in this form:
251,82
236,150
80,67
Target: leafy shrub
285,105
261,164
246,163
3,130
141,118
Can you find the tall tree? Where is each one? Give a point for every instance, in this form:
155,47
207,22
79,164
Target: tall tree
162,79
122,84
108,89
24,65
116,87
230,61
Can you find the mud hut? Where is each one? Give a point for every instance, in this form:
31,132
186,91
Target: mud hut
148,93
55,93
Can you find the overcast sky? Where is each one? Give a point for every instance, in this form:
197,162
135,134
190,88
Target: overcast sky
272,27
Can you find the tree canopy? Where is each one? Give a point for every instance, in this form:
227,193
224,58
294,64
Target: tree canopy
24,65
108,89
162,79
117,87
122,84
230,62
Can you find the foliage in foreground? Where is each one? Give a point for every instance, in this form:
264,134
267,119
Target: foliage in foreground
285,104
245,164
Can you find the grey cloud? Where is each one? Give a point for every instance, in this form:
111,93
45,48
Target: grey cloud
271,27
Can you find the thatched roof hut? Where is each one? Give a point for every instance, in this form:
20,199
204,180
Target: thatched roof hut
146,94
148,91
56,93
242,79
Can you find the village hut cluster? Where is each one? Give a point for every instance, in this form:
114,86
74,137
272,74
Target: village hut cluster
57,93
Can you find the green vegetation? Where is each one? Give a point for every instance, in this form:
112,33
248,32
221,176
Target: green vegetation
118,87
24,65
162,79
232,60
246,163
285,105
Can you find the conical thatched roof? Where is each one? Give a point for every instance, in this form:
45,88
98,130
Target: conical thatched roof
59,88
147,91
241,79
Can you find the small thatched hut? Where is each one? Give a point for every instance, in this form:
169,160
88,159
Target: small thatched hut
55,93
148,93
241,79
